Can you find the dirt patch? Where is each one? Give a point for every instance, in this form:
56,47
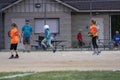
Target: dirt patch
65,60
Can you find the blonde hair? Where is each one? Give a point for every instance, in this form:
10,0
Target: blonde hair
117,32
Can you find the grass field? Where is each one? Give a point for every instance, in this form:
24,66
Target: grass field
66,75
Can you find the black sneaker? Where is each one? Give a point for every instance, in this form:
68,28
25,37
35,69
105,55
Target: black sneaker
44,48
23,51
17,56
11,57
28,51
54,50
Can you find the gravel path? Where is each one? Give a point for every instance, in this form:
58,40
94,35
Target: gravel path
61,60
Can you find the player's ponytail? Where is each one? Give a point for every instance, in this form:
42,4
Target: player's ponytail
14,25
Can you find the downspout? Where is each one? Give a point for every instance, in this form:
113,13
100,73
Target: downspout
90,9
1,31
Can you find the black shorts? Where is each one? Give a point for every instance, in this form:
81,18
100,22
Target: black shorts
26,40
13,46
80,43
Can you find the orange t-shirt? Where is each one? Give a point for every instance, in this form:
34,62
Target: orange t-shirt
93,30
14,34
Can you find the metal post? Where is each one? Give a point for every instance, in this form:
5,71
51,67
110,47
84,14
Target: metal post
110,28
1,28
1,25
90,9
45,13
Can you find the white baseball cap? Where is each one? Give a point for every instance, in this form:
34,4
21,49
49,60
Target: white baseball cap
46,26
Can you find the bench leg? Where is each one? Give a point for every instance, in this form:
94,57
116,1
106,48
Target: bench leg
63,48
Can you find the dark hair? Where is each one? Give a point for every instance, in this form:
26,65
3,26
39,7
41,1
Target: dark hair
14,25
93,21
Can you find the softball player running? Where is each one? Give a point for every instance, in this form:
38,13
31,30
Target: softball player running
47,38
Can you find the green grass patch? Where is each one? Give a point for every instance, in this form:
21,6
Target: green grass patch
68,75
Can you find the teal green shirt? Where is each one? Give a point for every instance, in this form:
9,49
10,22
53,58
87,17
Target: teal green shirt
47,34
26,30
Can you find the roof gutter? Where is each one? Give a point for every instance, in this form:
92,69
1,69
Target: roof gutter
11,5
99,10
55,0
68,5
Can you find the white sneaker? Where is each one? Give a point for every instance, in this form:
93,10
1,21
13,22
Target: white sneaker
94,53
98,52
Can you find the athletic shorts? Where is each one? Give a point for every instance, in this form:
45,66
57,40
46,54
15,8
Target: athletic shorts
26,40
80,43
13,46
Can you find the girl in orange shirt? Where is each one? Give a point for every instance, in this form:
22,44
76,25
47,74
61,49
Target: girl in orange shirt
15,36
94,32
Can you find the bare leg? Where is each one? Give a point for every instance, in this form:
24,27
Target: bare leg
119,46
12,56
49,42
25,47
28,47
16,56
11,51
16,52
43,43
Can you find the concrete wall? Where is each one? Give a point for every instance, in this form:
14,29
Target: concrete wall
81,21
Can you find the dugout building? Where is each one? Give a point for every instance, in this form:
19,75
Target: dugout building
65,17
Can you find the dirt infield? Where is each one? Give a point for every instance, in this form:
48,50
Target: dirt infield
61,60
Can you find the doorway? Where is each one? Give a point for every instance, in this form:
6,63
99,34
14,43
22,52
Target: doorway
115,24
